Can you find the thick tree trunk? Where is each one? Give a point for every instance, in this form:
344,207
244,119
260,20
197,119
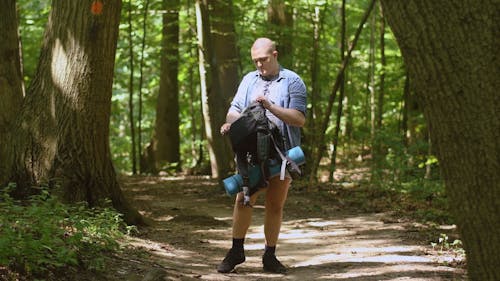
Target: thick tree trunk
62,138
226,51
164,147
227,56
450,48
212,101
11,82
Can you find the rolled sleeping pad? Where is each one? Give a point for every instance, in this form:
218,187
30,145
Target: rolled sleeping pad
234,183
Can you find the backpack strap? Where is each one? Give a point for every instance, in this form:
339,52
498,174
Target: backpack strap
243,165
285,161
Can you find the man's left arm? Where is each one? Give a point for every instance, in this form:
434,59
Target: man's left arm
294,115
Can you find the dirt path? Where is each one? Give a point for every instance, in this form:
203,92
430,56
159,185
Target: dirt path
320,240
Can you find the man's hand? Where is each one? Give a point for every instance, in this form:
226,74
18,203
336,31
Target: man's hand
225,128
288,115
264,101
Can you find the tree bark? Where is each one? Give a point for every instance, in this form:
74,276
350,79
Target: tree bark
164,147
11,82
280,19
212,101
226,51
131,117
62,135
197,131
227,59
451,50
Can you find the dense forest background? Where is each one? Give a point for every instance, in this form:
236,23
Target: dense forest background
376,104
377,107
168,83
367,99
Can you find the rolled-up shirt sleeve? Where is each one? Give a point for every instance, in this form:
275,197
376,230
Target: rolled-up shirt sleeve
298,96
239,100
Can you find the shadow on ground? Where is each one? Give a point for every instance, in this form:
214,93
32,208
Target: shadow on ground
320,239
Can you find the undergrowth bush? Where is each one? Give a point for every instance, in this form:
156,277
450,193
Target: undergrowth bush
42,234
423,199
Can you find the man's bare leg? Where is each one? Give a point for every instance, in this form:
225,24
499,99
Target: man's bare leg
242,217
275,201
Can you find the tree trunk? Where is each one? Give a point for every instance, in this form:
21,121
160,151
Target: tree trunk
11,82
227,56
226,51
131,117
348,112
404,128
197,131
380,101
336,134
280,19
406,112
372,93
212,101
62,137
310,130
451,50
141,80
378,149
164,147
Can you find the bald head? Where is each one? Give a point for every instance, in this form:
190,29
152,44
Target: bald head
264,44
265,57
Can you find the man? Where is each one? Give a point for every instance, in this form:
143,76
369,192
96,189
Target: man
283,94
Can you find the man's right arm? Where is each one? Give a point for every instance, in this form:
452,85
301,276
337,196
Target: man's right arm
238,102
230,118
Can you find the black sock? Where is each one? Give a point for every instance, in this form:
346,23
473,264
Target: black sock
238,243
270,250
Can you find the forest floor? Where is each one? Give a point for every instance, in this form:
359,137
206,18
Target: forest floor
346,233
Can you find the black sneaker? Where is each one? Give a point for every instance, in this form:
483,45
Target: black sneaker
232,259
272,264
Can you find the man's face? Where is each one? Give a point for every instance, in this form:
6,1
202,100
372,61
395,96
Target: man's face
265,60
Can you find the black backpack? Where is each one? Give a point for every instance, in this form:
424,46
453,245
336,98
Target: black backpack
257,141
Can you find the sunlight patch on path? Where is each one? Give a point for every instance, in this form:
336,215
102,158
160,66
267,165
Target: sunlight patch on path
192,235
354,244
358,248
396,272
